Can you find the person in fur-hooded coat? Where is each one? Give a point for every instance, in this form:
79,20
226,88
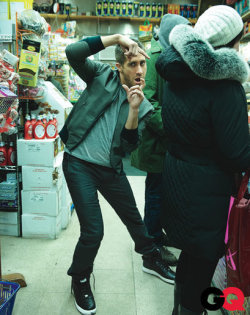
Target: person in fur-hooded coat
204,114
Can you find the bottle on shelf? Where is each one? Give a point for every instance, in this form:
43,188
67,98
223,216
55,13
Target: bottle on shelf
39,129
33,121
11,154
3,154
51,128
28,132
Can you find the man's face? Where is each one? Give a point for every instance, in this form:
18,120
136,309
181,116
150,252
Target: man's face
133,70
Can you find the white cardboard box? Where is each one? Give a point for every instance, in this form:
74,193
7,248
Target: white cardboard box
9,229
41,202
37,152
8,217
38,226
42,177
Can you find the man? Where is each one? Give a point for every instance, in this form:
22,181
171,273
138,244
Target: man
103,125
150,154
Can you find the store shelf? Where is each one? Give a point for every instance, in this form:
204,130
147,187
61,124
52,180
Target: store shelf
8,168
8,209
30,98
246,16
99,18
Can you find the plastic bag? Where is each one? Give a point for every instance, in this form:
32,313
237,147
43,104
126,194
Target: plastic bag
145,31
31,20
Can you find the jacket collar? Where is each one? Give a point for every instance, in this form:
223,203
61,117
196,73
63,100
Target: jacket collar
198,56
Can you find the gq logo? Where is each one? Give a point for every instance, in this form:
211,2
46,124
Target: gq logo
220,299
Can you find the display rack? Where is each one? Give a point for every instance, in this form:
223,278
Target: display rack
99,18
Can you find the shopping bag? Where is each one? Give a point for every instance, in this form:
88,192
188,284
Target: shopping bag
237,240
145,31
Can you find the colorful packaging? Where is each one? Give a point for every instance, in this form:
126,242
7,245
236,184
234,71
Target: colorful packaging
182,10
154,10
29,63
136,5
160,10
117,8
188,11
104,7
98,8
124,10
142,10
194,11
130,8
111,8
176,9
170,8
148,10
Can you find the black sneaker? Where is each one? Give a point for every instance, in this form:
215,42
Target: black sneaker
84,299
155,265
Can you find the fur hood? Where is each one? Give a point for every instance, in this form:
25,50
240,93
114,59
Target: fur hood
196,57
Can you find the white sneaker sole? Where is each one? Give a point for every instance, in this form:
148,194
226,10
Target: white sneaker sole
85,312
154,273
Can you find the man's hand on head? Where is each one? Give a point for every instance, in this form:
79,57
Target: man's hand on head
130,47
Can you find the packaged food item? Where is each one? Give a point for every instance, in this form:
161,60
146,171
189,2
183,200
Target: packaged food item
142,10
29,63
111,8
98,8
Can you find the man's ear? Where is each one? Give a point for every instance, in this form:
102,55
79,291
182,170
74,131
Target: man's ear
118,66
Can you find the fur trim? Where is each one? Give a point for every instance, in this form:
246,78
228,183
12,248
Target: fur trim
204,60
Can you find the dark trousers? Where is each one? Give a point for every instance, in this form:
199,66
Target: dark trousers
152,210
84,180
194,275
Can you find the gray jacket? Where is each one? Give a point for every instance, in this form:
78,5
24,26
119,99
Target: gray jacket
103,88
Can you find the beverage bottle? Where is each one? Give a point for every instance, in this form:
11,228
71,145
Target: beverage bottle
33,121
28,128
50,128
3,154
11,155
39,129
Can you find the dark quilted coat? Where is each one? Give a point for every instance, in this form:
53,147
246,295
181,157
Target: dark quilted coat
207,129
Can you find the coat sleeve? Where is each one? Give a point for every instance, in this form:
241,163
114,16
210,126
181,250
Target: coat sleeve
230,126
152,92
78,53
130,139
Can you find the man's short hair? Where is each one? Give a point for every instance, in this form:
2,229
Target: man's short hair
119,54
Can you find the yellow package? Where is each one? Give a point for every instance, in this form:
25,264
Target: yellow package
29,62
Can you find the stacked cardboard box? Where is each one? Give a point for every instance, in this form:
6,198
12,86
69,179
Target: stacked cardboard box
42,180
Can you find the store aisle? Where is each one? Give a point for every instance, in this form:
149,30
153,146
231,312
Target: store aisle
121,288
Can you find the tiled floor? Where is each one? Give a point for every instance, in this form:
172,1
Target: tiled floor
121,288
